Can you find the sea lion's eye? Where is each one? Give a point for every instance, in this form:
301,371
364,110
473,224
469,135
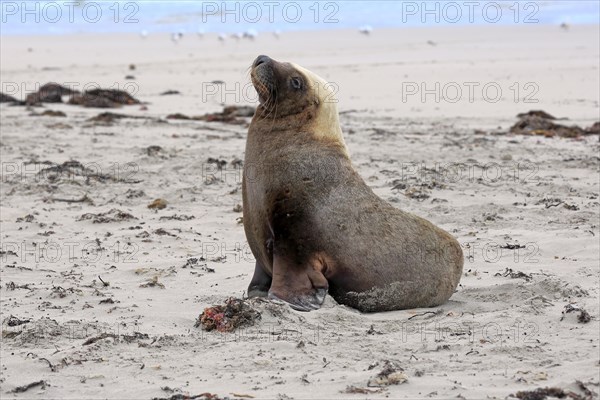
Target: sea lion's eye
296,83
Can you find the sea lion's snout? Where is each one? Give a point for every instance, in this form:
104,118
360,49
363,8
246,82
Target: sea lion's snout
263,78
260,60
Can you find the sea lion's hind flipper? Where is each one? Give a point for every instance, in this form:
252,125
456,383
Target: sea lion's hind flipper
391,296
302,285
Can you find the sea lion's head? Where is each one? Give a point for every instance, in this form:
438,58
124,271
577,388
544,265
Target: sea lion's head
292,97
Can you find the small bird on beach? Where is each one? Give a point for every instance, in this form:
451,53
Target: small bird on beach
365,29
251,34
176,36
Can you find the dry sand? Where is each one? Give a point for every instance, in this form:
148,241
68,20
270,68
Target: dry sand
133,336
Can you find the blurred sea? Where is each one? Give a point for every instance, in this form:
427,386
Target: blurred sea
67,17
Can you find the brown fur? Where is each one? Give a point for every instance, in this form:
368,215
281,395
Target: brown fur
312,222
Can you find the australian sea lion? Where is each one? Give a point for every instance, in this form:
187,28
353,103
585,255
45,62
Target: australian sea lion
314,225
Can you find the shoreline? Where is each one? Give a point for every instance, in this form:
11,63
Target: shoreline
265,32
348,30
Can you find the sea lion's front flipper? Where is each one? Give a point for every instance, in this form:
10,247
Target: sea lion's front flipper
261,282
302,285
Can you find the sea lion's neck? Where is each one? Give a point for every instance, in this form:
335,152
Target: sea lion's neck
318,126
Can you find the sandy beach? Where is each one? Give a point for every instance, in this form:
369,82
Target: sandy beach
100,294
